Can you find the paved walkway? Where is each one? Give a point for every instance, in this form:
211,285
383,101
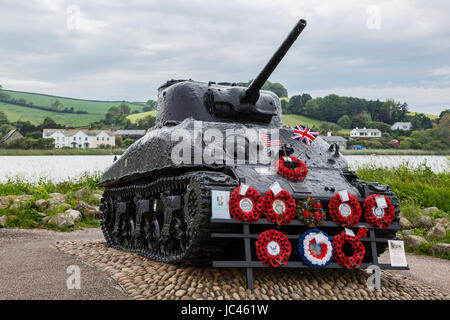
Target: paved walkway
429,270
32,268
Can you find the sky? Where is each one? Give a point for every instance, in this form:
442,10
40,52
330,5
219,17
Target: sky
124,50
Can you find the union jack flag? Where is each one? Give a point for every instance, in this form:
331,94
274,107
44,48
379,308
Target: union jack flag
304,134
267,140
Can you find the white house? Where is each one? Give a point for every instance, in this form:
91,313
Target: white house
406,126
365,133
80,138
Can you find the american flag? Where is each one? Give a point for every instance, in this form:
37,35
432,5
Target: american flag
304,134
268,142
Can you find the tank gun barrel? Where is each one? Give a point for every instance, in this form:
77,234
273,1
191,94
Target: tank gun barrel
251,95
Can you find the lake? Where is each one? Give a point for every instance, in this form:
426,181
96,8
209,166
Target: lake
60,168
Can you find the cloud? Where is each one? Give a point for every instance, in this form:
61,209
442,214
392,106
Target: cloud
125,50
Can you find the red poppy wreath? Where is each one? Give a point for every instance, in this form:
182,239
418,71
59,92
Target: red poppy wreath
354,261
244,207
376,216
278,208
273,248
344,213
292,168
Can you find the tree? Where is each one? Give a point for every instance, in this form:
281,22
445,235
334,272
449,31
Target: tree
275,87
345,122
125,108
49,123
361,119
297,103
3,118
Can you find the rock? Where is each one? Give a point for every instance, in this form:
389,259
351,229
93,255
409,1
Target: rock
180,293
437,232
82,193
41,214
56,199
4,202
17,204
41,204
61,220
59,207
88,211
423,222
441,248
443,221
414,242
95,198
407,232
74,214
3,221
405,223
428,211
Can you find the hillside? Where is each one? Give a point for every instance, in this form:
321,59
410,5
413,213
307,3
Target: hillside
293,119
136,116
91,106
36,116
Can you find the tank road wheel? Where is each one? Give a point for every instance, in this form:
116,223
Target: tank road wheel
166,220
192,209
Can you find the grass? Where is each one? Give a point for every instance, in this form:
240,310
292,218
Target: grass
419,187
136,116
91,106
27,216
293,119
61,152
431,116
416,189
36,116
397,152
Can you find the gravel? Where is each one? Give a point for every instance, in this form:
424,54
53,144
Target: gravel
145,279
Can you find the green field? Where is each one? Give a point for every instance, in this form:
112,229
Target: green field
136,116
91,106
36,116
431,116
293,119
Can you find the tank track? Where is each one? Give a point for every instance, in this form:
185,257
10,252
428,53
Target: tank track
167,220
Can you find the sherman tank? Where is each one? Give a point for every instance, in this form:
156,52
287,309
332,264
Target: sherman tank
160,207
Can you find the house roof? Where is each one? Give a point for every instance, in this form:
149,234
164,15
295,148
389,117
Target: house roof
9,134
71,132
130,132
333,138
366,130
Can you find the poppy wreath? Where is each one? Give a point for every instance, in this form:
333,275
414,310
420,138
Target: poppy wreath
344,213
244,208
378,217
354,261
310,212
278,208
298,173
315,248
273,248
